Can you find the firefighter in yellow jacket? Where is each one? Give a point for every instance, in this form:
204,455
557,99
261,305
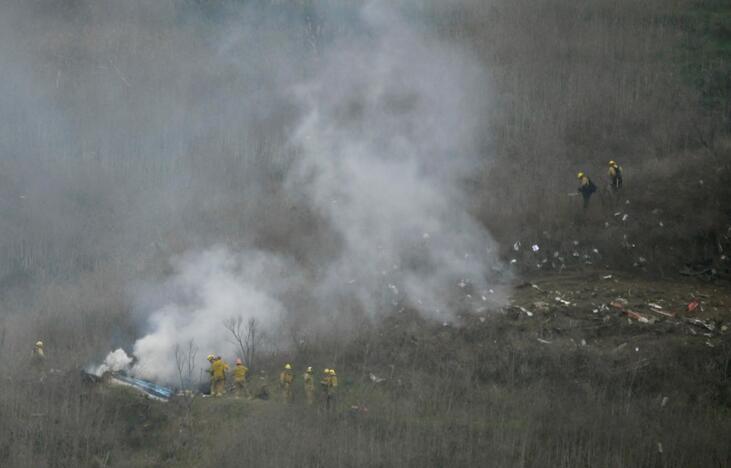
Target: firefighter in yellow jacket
586,188
309,386
240,373
38,360
218,375
285,381
615,176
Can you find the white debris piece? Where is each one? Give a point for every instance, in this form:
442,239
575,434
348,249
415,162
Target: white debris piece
575,254
512,260
484,298
543,341
425,236
526,311
393,288
482,319
562,301
576,242
661,224
376,379
625,217
607,277
595,250
462,284
516,246
642,260
535,247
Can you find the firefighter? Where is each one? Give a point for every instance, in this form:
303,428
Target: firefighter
309,386
218,373
210,359
332,389
285,381
38,359
615,176
586,188
325,386
240,372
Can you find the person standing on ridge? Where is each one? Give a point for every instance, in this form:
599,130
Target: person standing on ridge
285,380
38,360
240,372
309,386
218,372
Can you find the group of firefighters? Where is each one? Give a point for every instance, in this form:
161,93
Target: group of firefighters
219,371
587,187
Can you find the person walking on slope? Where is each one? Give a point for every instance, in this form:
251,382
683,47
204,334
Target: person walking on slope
615,176
309,386
240,372
218,375
285,381
586,188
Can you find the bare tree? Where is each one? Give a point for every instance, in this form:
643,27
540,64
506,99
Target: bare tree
246,336
185,363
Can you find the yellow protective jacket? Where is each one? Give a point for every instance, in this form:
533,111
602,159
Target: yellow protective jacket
38,358
286,377
218,369
325,382
240,372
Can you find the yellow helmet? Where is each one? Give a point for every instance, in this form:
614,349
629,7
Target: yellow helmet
309,370
211,357
288,366
326,371
579,175
332,371
612,163
39,344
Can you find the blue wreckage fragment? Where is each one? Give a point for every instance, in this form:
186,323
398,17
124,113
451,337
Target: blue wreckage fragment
148,388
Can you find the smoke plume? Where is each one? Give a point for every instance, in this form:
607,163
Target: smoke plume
282,161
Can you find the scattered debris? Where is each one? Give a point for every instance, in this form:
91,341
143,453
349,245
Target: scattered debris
516,246
149,389
562,301
541,306
693,305
702,323
541,340
607,277
525,311
664,401
535,248
376,379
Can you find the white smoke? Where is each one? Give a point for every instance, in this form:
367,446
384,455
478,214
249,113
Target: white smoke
207,289
390,131
116,361
390,135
